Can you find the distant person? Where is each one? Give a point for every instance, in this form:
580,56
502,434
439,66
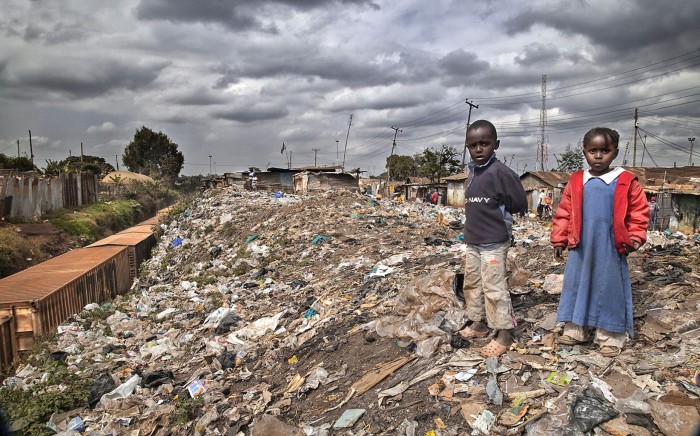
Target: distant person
547,207
434,197
252,179
540,204
653,208
493,195
602,216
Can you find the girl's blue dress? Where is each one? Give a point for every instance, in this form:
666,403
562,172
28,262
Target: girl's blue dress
597,291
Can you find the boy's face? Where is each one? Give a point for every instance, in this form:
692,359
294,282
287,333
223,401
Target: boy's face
481,145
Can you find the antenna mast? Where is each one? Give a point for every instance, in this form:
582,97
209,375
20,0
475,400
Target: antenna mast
542,141
346,141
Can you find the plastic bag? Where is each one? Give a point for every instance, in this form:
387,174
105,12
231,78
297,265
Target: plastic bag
122,391
589,409
103,384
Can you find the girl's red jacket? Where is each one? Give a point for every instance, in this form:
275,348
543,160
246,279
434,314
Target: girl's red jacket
630,213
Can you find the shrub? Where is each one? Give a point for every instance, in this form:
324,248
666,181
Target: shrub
15,251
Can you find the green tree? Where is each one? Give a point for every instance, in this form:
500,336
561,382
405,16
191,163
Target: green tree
73,164
435,164
153,154
22,163
400,167
572,159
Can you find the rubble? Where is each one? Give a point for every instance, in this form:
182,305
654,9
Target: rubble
334,314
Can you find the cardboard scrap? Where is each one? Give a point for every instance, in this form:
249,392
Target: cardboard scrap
372,377
510,417
393,391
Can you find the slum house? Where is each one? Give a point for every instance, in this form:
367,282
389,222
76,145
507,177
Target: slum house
312,179
455,189
535,182
234,179
370,186
416,187
274,179
677,192
214,182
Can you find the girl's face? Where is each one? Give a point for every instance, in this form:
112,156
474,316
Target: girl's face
599,155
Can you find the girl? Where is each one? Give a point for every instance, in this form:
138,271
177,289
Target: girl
603,216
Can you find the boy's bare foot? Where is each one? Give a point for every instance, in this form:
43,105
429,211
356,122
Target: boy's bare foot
504,337
476,329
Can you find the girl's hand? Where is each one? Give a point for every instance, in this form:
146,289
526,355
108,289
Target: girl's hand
558,251
633,247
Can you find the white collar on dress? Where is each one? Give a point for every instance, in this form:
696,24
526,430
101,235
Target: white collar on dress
608,177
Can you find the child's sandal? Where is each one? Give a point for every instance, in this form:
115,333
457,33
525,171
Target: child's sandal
492,349
568,340
610,351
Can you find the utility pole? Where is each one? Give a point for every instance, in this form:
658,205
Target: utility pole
81,152
289,165
634,139
337,156
31,150
690,157
18,148
346,141
388,166
315,153
469,117
209,164
116,158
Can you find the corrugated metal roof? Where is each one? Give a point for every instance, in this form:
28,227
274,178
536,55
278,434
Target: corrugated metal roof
41,280
460,176
551,178
150,221
148,228
122,239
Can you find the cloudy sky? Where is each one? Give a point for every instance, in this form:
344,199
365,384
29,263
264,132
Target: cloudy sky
235,79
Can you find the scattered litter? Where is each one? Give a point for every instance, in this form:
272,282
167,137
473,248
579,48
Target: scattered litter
196,388
349,418
252,304
561,379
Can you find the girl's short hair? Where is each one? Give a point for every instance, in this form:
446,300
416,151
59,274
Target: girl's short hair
610,135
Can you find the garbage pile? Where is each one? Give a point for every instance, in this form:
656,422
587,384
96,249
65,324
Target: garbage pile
263,314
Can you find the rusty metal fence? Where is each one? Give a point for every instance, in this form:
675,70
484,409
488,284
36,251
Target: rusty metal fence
26,195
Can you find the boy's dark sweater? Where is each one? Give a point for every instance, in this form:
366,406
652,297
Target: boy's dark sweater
488,188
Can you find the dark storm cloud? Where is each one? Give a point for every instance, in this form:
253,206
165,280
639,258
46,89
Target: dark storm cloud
237,16
221,12
645,22
253,113
57,33
460,67
538,54
196,97
312,4
410,67
82,78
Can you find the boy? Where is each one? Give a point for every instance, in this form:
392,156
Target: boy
494,193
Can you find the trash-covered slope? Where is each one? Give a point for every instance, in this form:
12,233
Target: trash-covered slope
334,314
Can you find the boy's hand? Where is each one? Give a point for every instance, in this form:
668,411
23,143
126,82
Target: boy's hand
558,251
